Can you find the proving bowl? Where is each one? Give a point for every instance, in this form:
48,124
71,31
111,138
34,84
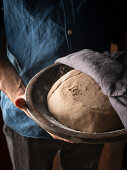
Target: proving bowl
36,101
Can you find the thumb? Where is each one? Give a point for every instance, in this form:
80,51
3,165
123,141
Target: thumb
20,102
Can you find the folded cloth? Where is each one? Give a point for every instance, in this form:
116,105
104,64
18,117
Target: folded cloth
109,70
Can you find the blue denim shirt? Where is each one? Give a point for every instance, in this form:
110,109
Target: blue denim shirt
40,31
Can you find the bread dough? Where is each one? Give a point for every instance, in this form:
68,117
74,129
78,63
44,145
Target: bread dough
76,101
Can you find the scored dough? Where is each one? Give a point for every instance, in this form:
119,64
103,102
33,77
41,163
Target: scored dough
76,101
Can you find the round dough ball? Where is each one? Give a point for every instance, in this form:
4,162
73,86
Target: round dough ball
76,101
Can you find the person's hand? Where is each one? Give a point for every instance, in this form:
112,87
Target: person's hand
20,102
59,138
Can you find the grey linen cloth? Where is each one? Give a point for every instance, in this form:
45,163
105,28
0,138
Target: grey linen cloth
109,70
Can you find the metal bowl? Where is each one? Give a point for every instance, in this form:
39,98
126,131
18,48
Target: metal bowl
36,100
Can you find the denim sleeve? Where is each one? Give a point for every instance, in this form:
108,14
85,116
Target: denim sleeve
121,21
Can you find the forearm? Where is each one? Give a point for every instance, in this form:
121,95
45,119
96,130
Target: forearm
10,82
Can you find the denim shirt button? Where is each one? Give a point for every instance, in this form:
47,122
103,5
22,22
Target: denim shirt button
69,32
